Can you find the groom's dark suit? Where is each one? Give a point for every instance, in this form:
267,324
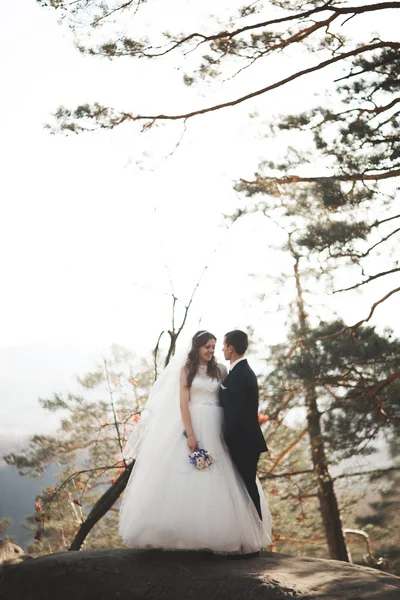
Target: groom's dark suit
239,397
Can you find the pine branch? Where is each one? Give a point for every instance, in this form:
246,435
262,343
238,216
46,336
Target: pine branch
377,110
374,391
229,35
293,179
104,112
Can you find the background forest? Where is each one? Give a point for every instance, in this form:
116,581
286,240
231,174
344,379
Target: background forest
258,149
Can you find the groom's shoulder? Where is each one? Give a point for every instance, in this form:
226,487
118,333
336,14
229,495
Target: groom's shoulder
245,364
248,366
249,370
242,368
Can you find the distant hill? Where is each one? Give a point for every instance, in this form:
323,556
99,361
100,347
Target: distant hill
17,497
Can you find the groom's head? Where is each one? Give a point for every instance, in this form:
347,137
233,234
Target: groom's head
235,344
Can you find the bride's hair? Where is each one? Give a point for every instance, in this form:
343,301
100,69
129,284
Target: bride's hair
193,360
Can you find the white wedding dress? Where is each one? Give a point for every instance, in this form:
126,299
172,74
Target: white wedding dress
170,504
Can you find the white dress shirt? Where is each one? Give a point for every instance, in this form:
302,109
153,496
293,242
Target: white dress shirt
236,362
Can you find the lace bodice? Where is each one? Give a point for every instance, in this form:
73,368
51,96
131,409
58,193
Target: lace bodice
204,390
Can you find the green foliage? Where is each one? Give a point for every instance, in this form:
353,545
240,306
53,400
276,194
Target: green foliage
5,524
124,46
352,374
361,141
335,235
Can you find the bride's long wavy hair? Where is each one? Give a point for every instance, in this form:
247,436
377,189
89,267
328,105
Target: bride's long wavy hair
193,360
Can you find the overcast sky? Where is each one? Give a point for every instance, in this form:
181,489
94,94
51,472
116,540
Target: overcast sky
89,224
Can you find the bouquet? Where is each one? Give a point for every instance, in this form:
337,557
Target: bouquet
199,458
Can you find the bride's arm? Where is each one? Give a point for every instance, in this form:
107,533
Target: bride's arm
224,372
184,396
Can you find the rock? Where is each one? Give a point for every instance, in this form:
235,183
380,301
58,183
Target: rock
127,574
11,553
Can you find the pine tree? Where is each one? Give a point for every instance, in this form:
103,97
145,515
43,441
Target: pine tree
346,378
5,524
87,447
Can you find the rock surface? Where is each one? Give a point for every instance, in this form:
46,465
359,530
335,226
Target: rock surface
128,574
11,553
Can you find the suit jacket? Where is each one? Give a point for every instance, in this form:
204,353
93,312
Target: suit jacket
239,397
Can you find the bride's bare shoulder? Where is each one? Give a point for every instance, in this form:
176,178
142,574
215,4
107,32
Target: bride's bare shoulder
183,375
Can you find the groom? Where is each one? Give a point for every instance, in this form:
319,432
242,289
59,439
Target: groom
239,397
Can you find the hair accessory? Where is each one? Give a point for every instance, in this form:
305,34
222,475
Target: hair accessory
201,332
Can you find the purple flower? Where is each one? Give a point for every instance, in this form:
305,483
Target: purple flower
200,458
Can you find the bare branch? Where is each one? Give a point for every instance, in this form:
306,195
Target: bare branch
267,475
118,9
287,450
352,328
112,404
279,538
381,472
93,470
384,239
371,278
377,223
155,353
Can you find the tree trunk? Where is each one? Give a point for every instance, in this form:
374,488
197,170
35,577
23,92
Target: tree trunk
326,493
328,504
102,506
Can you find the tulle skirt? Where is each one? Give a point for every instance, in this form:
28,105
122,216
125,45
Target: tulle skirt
170,504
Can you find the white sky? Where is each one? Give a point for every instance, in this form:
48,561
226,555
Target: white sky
85,231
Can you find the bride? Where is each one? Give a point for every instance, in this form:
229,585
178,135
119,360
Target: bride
168,502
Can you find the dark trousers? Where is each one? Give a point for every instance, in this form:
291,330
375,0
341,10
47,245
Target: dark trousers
246,464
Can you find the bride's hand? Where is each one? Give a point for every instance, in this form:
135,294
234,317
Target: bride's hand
191,442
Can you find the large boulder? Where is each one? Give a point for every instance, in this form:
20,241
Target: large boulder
113,574
11,553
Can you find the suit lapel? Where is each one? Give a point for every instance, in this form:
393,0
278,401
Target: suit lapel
235,368
226,379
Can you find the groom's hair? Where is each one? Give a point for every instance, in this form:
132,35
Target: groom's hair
238,339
